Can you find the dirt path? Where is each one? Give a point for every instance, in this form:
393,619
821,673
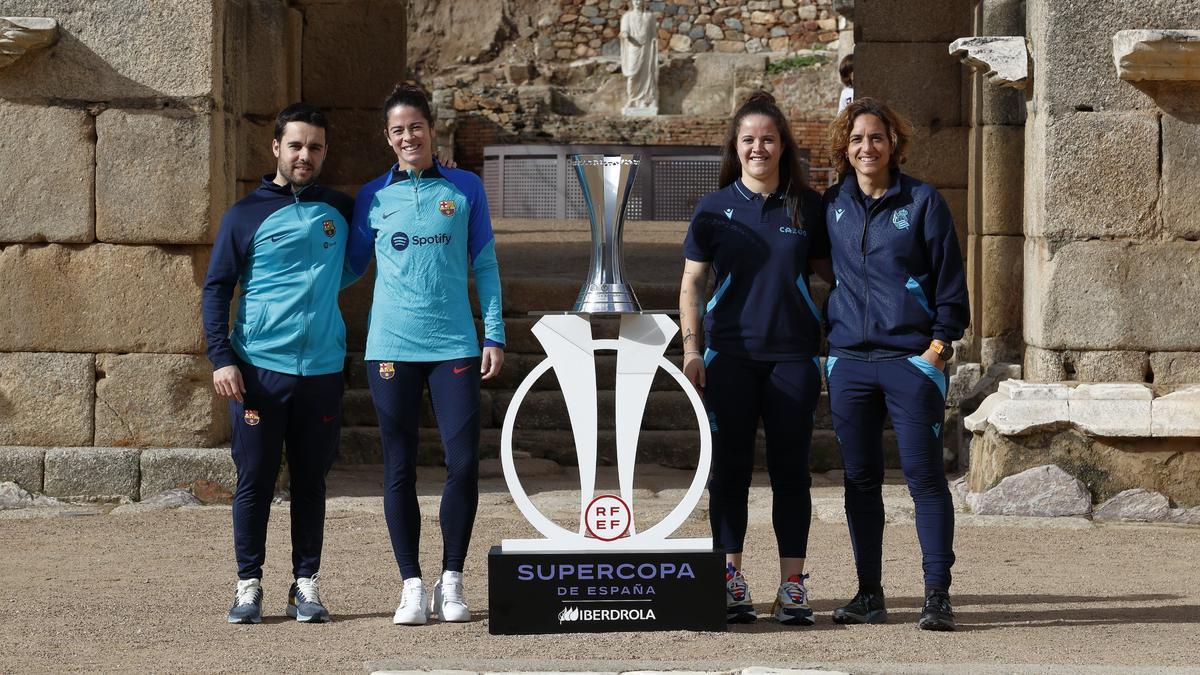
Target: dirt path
148,592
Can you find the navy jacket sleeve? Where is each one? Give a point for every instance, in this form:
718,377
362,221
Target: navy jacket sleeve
361,246
951,308
814,223
229,255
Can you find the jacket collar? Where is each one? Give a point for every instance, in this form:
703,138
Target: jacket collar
269,184
398,174
749,195
850,181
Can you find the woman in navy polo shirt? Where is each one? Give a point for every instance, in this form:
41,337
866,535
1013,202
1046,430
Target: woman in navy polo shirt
761,234
899,302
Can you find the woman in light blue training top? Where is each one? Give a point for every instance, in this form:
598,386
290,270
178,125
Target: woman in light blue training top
427,227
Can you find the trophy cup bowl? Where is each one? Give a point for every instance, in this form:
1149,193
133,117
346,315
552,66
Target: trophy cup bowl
607,182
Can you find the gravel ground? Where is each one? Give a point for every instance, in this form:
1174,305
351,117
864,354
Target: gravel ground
148,592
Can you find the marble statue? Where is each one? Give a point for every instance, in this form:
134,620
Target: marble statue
639,59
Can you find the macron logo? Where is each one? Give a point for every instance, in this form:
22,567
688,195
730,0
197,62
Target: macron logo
838,215
729,214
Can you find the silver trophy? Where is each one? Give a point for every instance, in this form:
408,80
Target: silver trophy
607,181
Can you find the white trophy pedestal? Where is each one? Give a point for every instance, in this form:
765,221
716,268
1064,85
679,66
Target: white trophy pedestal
582,580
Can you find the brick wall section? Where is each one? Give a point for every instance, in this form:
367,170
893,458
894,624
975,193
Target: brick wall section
586,28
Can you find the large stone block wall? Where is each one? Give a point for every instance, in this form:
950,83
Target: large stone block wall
122,146
116,168
1111,261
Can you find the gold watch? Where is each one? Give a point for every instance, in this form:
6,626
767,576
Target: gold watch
944,350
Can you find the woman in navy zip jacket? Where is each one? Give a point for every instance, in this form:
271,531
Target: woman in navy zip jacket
761,234
899,301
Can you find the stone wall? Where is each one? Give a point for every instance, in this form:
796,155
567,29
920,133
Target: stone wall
550,72
123,143
117,166
1111,258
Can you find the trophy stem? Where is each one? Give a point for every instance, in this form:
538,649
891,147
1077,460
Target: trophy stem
607,183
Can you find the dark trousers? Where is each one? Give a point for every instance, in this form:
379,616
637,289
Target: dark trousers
784,394
396,387
861,393
303,414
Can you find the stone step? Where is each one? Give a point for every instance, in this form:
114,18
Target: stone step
518,366
673,448
545,409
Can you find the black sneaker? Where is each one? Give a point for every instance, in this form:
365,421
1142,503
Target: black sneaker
247,602
304,602
866,607
937,613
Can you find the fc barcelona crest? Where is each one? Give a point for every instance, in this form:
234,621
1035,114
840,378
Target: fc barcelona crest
251,417
330,229
446,206
387,370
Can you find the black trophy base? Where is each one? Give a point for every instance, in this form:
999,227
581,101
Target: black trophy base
587,592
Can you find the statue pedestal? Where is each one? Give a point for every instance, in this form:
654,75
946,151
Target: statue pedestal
640,112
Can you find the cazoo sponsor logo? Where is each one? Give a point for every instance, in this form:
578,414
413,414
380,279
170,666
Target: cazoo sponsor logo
572,614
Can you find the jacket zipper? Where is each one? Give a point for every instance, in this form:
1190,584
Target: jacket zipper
309,275
869,214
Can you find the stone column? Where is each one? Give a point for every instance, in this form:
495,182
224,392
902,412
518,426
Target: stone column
1111,257
995,193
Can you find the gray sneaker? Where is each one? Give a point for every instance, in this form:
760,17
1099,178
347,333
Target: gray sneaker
247,602
304,601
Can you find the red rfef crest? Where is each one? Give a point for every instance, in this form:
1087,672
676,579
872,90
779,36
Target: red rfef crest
387,370
330,230
251,417
446,206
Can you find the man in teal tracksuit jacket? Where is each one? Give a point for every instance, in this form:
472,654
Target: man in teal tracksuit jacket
281,365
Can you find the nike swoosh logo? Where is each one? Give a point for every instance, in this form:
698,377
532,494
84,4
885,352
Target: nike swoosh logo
277,237
389,215
460,370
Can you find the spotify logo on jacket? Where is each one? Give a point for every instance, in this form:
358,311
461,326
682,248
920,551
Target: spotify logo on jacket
401,241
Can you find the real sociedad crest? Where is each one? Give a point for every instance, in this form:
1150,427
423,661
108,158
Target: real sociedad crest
606,522
900,219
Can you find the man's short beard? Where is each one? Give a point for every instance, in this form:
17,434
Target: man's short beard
289,176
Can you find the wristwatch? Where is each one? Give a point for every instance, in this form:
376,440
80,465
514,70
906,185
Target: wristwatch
944,350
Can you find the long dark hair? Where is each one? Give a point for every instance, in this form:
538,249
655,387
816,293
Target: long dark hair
791,171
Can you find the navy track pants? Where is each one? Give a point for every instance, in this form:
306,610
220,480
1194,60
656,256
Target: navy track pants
396,387
784,394
861,393
303,414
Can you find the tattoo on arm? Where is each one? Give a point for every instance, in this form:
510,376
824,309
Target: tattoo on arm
688,336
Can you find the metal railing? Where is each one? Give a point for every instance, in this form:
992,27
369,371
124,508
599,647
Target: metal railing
538,182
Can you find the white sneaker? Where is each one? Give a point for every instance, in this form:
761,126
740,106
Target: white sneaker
411,611
448,601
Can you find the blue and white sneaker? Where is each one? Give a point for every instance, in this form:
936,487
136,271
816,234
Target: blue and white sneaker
247,602
304,601
739,608
791,602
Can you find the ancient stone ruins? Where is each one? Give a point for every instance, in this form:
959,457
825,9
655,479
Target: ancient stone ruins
1064,134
